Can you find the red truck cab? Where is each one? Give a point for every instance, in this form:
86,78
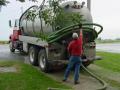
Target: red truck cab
14,37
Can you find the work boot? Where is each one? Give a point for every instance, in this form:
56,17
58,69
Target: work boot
76,82
64,80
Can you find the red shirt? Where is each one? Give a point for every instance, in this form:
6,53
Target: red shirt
75,47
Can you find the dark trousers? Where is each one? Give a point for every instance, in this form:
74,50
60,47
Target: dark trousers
76,62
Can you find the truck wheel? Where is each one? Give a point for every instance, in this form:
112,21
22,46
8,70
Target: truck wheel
33,55
42,61
11,47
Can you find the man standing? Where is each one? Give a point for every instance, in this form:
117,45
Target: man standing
75,51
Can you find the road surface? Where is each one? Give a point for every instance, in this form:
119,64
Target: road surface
5,54
115,47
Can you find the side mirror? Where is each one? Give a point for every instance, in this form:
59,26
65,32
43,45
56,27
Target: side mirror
15,23
10,24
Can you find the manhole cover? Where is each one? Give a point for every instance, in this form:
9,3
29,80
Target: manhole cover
8,69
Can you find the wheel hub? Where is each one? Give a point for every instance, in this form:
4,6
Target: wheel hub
42,62
31,56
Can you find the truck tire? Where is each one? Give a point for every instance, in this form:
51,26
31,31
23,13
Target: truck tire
11,47
33,55
42,61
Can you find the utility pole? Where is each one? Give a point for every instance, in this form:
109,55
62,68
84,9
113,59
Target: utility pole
89,4
0,8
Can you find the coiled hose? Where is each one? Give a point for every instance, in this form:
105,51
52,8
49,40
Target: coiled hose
67,30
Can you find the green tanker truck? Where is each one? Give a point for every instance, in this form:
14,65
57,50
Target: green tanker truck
46,42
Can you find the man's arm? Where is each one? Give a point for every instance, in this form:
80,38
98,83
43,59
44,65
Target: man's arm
81,41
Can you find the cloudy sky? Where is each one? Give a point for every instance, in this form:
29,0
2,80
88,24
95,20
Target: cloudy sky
104,12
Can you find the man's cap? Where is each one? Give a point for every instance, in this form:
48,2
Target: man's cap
75,35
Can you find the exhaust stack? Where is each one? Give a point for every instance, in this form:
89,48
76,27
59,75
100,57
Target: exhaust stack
89,4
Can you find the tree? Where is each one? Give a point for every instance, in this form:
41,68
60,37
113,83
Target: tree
54,16
5,2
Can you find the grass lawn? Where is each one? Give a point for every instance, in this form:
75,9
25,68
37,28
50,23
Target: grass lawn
110,61
108,41
3,42
27,77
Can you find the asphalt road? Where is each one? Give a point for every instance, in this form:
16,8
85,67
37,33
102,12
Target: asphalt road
114,47
5,54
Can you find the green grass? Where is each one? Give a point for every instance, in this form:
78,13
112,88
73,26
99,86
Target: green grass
4,42
26,78
108,41
110,61
112,82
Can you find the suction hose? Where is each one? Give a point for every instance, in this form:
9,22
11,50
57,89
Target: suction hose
93,75
96,77
67,30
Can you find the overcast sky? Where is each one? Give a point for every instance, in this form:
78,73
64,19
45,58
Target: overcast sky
104,12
